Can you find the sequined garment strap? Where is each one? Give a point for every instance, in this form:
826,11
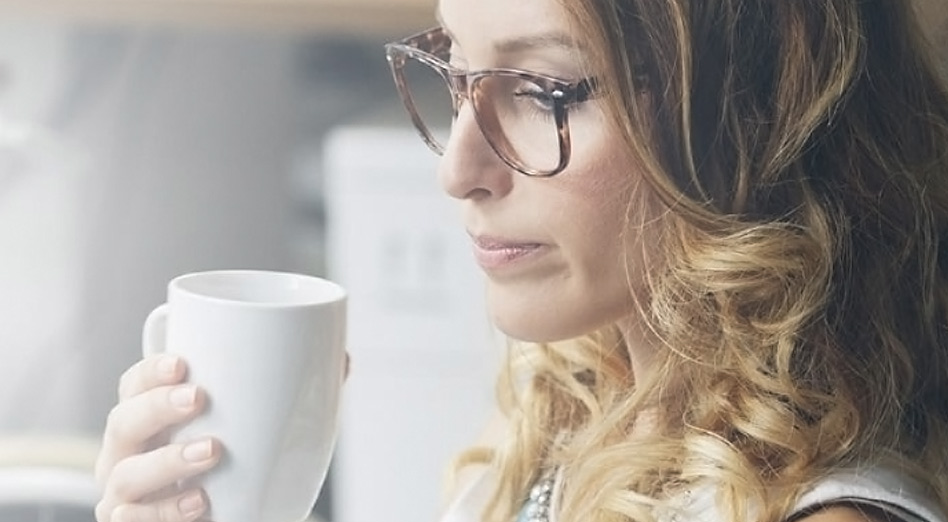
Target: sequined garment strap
538,506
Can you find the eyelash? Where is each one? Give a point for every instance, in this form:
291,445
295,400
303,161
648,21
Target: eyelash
541,101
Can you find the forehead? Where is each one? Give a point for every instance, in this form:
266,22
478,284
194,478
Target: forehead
487,22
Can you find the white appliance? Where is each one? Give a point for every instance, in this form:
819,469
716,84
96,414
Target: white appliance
424,356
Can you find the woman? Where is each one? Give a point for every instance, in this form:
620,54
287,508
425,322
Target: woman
716,228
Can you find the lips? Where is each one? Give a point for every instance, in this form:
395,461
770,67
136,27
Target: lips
493,253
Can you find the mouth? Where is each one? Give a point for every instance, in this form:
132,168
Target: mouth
493,253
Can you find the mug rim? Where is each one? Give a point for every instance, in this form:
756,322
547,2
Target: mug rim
310,290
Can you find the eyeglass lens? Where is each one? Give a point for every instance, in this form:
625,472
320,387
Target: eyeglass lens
431,95
514,113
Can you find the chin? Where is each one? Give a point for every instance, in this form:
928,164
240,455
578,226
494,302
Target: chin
530,335
537,327
546,320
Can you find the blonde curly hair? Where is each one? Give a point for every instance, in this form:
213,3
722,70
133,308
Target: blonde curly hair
801,152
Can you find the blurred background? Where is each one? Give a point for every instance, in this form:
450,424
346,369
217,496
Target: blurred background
144,139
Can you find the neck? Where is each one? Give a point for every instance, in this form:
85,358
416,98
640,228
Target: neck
641,344
644,346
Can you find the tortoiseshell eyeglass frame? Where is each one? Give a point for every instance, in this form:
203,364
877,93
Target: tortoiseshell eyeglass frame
433,46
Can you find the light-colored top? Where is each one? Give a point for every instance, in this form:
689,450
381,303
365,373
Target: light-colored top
884,488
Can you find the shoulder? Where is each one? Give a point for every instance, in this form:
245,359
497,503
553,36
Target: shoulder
850,512
871,494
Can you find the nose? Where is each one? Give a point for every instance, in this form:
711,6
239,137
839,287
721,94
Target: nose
469,168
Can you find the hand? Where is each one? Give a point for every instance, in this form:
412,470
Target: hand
138,469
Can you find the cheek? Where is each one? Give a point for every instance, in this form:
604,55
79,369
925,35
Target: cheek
590,287
604,224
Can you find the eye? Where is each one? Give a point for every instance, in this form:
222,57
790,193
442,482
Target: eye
540,99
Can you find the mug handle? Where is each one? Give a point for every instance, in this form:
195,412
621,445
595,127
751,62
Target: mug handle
155,331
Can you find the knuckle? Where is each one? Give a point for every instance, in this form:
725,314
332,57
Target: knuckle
125,382
119,488
116,426
100,472
113,417
122,388
123,513
103,512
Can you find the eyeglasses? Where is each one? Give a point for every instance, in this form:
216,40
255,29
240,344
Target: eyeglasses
524,116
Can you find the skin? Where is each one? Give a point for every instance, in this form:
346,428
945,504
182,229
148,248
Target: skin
583,275
596,220
576,282
135,479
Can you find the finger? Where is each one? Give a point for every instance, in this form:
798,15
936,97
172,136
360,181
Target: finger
149,373
140,476
133,423
184,507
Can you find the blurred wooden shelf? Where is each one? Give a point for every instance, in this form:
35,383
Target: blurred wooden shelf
382,18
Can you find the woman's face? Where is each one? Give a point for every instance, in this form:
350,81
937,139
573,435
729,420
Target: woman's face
558,252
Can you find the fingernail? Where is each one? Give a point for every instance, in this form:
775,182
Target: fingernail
168,366
183,396
191,504
197,451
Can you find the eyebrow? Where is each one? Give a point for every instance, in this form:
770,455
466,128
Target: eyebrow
551,39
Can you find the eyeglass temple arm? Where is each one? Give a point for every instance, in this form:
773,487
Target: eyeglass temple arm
432,41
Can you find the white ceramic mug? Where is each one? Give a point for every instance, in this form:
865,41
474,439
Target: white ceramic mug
268,348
